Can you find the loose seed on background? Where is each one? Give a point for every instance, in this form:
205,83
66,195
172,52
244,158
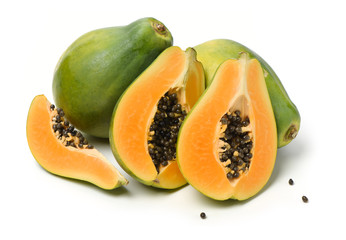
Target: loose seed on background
305,199
290,181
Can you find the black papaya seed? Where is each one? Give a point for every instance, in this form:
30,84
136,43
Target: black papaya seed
305,199
290,182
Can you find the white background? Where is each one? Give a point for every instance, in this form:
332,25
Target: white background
304,42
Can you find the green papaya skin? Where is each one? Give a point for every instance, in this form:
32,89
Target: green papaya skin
215,52
96,69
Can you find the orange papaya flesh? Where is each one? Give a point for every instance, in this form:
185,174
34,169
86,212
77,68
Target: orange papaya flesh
227,144
147,117
62,150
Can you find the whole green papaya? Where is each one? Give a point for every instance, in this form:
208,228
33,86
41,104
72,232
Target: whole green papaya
95,70
215,52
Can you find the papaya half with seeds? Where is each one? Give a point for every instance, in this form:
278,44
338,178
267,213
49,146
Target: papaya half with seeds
95,70
215,52
147,117
62,150
227,144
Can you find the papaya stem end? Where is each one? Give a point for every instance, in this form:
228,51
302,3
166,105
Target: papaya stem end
292,133
160,28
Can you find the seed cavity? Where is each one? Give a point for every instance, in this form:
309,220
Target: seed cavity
163,131
66,132
235,144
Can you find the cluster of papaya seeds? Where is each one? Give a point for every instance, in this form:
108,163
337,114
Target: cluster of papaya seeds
212,116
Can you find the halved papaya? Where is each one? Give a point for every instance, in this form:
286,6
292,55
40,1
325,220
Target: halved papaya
147,118
227,145
62,150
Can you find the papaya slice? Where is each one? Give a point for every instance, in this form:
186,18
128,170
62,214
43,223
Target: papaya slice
64,151
147,118
227,145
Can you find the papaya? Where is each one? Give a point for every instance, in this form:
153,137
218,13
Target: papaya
147,118
227,144
215,52
62,150
95,70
